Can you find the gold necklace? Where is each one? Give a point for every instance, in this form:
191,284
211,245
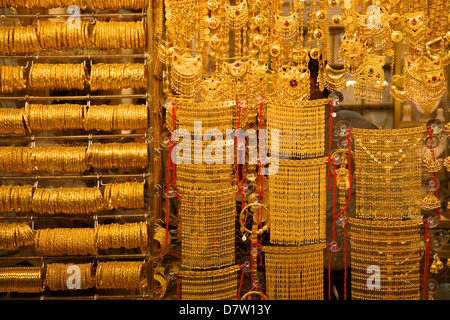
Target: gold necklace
388,168
185,74
236,16
394,248
294,273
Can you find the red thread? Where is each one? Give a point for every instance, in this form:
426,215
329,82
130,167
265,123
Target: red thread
240,284
330,135
167,192
427,257
345,259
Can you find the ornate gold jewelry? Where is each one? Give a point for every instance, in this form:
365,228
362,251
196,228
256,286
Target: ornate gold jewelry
294,273
369,79
301,127
392,246
208,227
218,284
388,171
298,202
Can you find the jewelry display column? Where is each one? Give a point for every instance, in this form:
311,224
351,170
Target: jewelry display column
204,185
297,187
385,233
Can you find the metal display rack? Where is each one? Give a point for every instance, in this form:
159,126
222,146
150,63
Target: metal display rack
146,214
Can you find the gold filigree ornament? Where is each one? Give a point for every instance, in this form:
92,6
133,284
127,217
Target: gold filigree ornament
431,202
286,27
424,82
370,78
211,89
352,52
292,83
236,16
374,25
415,29
186,74
334,80
183,18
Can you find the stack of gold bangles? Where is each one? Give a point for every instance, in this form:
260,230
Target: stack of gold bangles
66,241
40,117
117,35
59,158
57,275
12,78
64,76
67,200
117,155
19,40
16,198
15,235
74,159
47,4
115,76
127,235
116,117
11,121
125,195
21,279
54,117
121,275
117,4
60,34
